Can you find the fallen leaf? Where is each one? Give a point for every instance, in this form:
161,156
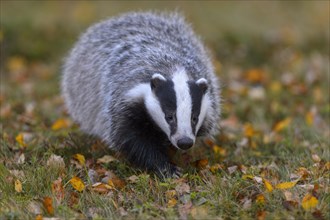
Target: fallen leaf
39,217
20,140
48,204
106,159
169,194
216,168
281,125
268,185
101,188
219,150
255,75
290,204
201,164
316,158
249,130
18,186
117,182
261,215
232,169
247,176
80,158
58,190
55,161
257,93
260,199
309,202
182,188
34,207
60,124
77,184
172,202
286,185
133,179
247,204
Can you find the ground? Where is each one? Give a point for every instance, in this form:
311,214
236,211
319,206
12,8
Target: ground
271,159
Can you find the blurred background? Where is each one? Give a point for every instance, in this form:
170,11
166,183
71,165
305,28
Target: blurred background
45,30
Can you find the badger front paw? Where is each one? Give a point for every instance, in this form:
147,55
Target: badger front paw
169,171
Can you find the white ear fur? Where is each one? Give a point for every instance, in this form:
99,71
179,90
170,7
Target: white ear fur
158,76
202,83
156,80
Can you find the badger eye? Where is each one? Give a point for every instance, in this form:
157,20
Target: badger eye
194,119
170,117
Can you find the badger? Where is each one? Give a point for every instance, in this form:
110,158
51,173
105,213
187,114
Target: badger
143,82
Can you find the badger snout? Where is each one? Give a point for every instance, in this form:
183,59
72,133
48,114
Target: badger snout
185,143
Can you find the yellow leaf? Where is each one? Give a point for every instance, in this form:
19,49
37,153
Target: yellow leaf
260,199
18,186
286,185
172,202
16,64
38,217
80,158
169,194
20,140
268,185
219,150
309,202
60,124
275,87
249,131
309,118
77,183
247,176
279,126
48,204
215,168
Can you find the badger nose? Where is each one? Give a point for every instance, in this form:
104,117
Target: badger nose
185,143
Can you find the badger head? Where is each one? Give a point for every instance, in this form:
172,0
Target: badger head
178,106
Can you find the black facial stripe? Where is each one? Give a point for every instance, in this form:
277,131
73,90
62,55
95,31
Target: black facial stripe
196,94
165,94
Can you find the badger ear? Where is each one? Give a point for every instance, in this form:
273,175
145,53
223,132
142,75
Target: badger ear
156,80
202,84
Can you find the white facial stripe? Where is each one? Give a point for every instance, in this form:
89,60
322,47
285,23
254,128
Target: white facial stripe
152,104
204,108
184,105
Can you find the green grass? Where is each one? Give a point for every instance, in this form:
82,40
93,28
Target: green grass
285,42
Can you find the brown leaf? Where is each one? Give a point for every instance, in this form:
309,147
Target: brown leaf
182,188
201,164
261,215
58,190
48,204
255,75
